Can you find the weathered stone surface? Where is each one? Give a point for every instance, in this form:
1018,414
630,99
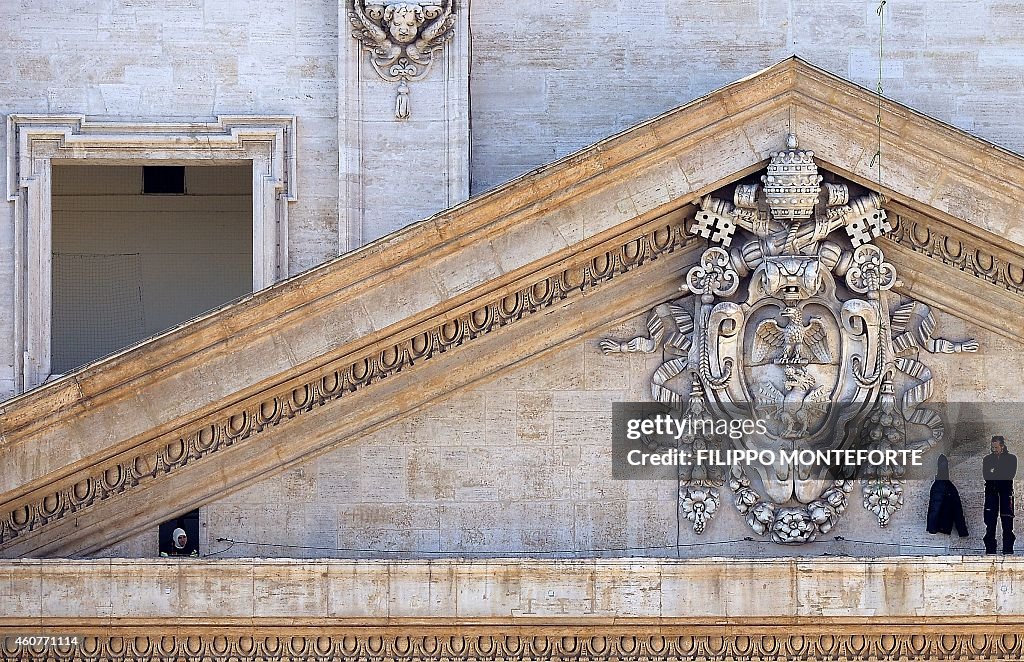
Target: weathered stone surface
508,590
523,463
498,609
618,65
403,109
265,360
538,92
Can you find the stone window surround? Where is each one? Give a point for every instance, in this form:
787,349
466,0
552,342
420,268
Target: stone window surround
34,141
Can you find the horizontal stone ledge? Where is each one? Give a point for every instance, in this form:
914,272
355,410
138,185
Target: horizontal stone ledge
128,626
454,642
952,589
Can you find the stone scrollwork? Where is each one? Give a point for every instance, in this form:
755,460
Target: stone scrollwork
200,441
402,38
793,322
713,276
870,272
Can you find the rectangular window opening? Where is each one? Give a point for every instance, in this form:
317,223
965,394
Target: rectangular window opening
163,180
180,536
126,266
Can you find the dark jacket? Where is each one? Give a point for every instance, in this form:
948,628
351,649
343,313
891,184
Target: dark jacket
999,470
945,509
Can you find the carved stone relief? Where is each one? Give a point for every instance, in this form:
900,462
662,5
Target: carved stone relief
201,441
402,38
795,325
967,255
424,644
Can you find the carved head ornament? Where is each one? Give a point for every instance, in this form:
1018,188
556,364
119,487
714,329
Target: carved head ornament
404,21
402,37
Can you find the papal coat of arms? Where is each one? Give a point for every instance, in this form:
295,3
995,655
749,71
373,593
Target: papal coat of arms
788,320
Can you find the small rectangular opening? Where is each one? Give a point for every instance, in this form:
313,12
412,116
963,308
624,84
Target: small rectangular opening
180,536
163,179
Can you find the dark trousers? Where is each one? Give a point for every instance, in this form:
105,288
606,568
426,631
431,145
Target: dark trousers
999,505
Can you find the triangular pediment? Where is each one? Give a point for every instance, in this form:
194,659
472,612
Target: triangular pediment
597,237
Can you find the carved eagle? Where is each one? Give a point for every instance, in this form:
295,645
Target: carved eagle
791,339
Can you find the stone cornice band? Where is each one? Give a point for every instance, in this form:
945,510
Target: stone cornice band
198,441
878,641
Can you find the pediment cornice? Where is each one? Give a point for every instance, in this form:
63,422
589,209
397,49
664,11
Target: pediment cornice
348,394
595,238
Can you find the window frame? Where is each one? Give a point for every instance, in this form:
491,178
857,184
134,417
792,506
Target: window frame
35,141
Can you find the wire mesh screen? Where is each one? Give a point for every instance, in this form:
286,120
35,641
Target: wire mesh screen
97,307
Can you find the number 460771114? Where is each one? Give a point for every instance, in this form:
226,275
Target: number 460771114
45,640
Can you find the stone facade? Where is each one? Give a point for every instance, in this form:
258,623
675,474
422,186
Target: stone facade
540,87
506,609
593,71
487,292
442,388
523,463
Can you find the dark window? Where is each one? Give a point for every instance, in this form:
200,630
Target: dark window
189,523
163,179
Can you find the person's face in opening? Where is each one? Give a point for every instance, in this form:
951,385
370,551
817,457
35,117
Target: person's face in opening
182,540
997,447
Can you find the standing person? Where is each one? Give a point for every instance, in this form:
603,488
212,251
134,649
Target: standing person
944,506
999,469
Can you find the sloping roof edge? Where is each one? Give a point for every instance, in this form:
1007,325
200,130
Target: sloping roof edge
592,205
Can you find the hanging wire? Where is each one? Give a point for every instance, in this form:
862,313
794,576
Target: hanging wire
877,158
232,544
496,552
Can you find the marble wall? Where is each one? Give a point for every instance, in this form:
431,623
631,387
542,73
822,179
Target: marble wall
538,83
551,78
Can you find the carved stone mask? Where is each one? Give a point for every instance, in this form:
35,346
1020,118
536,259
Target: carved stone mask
403,21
